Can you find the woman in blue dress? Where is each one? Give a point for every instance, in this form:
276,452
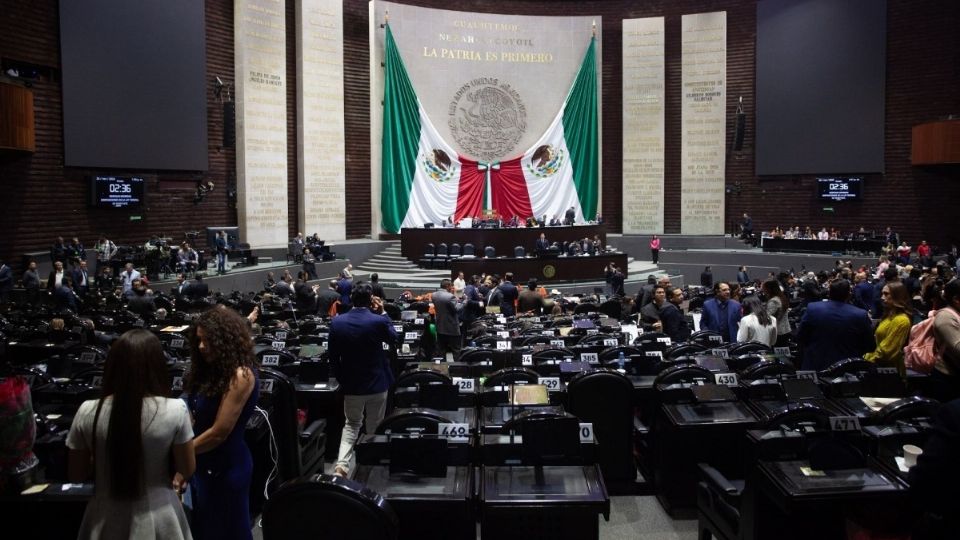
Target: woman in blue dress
223,391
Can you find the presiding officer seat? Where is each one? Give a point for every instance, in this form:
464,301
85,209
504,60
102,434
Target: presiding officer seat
324,506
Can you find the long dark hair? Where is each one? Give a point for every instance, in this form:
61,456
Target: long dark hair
135,370
771,288
229,346
752,304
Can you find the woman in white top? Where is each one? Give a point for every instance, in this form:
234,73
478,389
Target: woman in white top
777,306
126,440
757,324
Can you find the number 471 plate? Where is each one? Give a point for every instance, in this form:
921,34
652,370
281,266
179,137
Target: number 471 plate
844,423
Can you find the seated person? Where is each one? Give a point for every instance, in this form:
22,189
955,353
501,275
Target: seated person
187,258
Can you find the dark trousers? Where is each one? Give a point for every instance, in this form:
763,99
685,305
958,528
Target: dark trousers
447,343
655,255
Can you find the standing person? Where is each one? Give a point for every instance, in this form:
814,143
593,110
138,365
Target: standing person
542,245
345,287
777,306
55,279
746,226
530,300
129,436
222,392
834,330
742,276
720,313
459,285
945,376
616,281
31,283
6,282
105,251
756,324
655,248
706,277
570,217
128,275
509,294
672,320
378,288
362,369
222,248
894,327
81,279
447,309
327,298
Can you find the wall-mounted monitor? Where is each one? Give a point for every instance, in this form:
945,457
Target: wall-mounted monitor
840,188
116,191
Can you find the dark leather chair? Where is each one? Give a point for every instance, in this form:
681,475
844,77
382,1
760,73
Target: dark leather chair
469,250
324,506
852,366
429,252
414,377
489,252
774,368
511,375
612,308
612,354
707,338
907,409
741,362
530,341
299,452
587,307
605,398
748,347
441,259
455,251
682,349
519,251
682,373
408,420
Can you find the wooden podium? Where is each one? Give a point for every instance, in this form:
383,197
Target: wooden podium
936,143
17,130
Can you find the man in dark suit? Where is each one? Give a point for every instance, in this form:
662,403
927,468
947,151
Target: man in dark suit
529,300
570,217
64,297
345,288
6,282
361,368
326,298
834,330
305,294
509,294
742,277
447,308
721,314
542,244
198,289
377,287
182,286
706,277
473,301
222,247
80,278
672,320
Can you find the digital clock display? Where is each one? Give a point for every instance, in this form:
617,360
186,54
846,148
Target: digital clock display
117,191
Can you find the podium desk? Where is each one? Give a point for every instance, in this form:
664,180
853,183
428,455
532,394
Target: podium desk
427,508
564,504
414,240
690,433
791,501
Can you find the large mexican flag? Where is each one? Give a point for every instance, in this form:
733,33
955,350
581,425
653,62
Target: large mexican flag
425,181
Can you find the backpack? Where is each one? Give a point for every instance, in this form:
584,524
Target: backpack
921,352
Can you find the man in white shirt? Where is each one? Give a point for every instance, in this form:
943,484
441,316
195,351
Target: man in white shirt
823,234
458,285
128,275
55,281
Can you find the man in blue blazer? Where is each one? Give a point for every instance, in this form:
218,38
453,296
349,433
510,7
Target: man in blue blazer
361,367
834,330
510,294
721,314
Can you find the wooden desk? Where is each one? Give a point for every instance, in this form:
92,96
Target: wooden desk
543,269
413,241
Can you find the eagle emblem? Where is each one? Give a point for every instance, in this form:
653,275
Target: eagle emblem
545,161
437,165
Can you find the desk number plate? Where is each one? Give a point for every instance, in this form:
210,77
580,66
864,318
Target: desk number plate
809,375
722,353
281,336
590,357
266,386
88,357
410,336
464,385
556,343
503,345
552,383
279,345
453,430
504,334
658,354
781,352
176,344
844,423
586,432
592,331
610,343
418,322
665,340
526,360
887,371
726,379
715,339
270,360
